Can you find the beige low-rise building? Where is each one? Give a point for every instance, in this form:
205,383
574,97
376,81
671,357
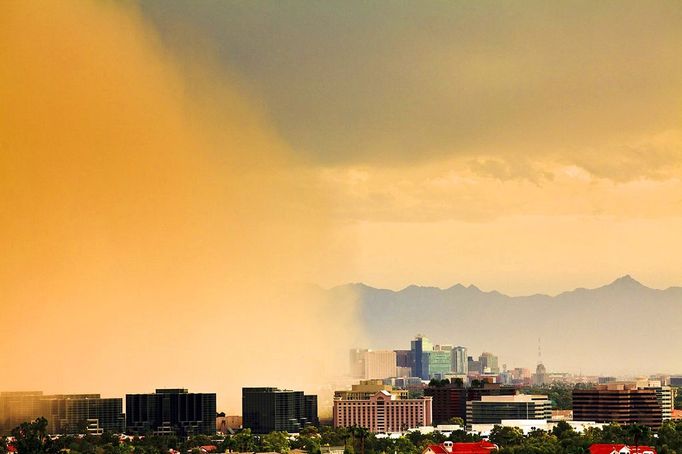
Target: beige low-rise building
367,388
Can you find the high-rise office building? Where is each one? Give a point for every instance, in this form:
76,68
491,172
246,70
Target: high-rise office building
460,365
619,402
664,396
474,366
490,389
436,363
603,380
356,362
171,411
72,413
540,375
449,401
488,363
403,362
402,358
373,364
493,409
676,380
271,409
65,413
18,407
419,345
521,375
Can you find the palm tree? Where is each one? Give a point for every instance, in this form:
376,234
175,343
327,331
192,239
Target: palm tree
362,433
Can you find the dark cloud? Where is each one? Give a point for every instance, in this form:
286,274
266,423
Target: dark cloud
399,82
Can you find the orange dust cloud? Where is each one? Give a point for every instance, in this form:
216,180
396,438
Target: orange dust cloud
152,223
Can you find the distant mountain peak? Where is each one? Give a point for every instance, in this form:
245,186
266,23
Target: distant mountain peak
626,280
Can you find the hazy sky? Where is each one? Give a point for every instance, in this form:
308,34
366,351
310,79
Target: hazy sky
168,168
522,146
152,223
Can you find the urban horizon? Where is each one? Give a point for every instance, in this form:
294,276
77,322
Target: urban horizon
264,203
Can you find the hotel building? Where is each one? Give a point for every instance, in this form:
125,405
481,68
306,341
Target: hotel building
384,410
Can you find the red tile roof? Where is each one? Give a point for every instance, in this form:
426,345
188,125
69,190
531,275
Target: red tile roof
479,447
608,448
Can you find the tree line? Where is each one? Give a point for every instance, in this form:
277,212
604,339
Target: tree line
32,438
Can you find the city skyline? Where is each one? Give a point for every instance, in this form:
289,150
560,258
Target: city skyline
179,181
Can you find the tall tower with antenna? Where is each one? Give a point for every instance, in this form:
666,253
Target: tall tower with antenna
540,377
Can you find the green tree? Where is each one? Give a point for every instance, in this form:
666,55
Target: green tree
670,436
463,436
612,433
456,421
404,446
506,436
563,430
310,443
31,437
309,431
333,436
361,434
276,441
638,434
349,449
244,441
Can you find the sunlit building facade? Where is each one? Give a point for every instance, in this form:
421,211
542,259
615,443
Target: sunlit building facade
383,412
65,413
494,409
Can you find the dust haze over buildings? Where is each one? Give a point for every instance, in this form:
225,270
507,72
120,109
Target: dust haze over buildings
152,222
169,168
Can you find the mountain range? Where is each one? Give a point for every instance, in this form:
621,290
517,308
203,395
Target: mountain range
624,327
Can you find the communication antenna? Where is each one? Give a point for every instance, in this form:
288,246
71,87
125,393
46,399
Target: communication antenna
539,352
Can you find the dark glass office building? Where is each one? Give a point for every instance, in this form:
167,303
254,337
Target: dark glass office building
171,412
618,405
449,401
418,346
65,413
79,413
270,409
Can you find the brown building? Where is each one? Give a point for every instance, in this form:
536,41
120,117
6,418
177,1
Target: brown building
619,403
224,424
449,401
491,389
382,412
403,358
367,388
